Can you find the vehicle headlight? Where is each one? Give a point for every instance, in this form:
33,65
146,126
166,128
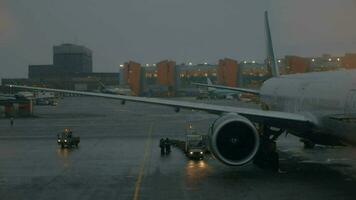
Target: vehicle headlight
201,153
59,140
191,153
65,140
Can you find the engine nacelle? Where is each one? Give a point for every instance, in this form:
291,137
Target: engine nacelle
234,140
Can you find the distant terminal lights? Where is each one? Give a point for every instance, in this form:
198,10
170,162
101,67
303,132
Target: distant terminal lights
154,65
147,65
313,60
246,62
191,63
150,65
329,59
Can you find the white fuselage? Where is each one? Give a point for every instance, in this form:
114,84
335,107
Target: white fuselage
328,98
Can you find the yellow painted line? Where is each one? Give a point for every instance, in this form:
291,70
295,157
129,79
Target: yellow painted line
142,168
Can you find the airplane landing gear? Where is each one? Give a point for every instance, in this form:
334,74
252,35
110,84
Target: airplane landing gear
267,156
308,144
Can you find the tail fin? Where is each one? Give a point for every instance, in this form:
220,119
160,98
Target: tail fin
210,83
271,62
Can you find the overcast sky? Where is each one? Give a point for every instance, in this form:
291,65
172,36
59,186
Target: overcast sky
148,31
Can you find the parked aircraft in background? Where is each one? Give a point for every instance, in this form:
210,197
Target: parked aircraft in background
226,89
115,90
320,107
217,93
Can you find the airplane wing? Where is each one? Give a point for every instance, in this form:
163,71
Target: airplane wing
257,92
277,119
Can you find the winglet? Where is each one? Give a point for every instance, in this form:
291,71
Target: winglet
271,62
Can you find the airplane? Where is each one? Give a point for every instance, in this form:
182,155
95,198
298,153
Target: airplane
217,92
320,107
223,88
107,90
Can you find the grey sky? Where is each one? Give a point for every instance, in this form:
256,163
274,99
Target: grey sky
183,30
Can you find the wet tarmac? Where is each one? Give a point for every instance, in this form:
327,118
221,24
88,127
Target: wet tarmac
119,158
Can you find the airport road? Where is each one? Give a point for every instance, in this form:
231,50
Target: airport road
118,158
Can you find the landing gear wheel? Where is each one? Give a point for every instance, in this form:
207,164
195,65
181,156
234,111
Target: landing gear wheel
308,144
274,161
267,156
267,159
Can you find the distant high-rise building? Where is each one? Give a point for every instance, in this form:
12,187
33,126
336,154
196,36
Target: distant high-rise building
349,61
71,58
296,64
131,75
167,75
228,72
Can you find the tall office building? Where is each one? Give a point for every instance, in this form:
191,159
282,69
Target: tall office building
71,58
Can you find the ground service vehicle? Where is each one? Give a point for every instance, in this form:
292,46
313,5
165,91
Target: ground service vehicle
195,146
66,139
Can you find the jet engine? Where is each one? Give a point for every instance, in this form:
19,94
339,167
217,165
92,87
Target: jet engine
234,140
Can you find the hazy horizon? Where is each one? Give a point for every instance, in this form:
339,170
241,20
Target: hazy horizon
187,30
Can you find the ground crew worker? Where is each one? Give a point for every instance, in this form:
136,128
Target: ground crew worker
70,134
11,121
167,145
162,145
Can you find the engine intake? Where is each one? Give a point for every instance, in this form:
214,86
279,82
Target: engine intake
234,140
